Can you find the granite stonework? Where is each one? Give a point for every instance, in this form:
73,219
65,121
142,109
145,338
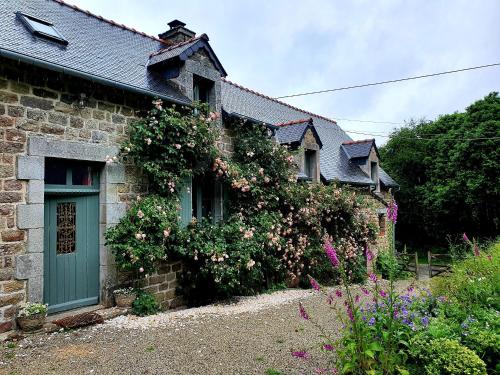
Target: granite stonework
47,114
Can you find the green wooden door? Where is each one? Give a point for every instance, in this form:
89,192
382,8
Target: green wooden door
71,246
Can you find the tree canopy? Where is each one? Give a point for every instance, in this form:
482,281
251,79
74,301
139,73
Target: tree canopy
449,173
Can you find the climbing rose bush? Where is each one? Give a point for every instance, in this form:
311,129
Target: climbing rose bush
171,143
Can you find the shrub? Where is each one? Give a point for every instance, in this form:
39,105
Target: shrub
445,356
387,264
145,304
474,281
141,238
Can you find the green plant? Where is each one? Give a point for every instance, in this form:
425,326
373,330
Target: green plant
127,290
387,264
30,309
271,371
140,240
171,143
445,356
474,281
145,304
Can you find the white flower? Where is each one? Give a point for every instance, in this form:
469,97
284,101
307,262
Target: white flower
177,146
141,270
250,153
140,214
250,264
166,232
138,236
148,141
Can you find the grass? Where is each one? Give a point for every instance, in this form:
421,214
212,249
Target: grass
271,371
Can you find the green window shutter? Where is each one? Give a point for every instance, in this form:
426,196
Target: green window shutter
186,201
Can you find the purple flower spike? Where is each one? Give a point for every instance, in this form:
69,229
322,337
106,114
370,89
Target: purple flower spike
476,249
314,284
466,239
373,277
301,354
331,253
369,254
338,293
383,294
365,291
328,347
303,312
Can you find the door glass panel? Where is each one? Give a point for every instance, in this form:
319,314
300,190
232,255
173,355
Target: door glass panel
82,175
66,227
55,172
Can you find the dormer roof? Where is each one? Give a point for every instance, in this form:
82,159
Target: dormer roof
180,52
293,132
359,149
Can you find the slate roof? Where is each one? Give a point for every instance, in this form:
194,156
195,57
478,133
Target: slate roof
182,51
334,163
293,132
97,48
359,149
111,53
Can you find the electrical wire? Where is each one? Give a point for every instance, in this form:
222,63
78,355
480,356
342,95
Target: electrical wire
388,81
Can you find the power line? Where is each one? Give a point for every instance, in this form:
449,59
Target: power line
389,81
424,138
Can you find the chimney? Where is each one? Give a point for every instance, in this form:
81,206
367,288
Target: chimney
177,33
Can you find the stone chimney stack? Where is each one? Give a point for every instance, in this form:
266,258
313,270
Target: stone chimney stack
177,32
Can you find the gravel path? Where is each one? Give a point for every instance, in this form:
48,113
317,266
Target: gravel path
245,337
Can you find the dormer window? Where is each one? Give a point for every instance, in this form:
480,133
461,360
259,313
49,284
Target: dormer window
374,174
202,90
42,28
310,164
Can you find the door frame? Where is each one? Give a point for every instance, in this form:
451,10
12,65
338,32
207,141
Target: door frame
30,216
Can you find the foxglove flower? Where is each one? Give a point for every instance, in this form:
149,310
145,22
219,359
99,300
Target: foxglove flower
476,249
301,354
303,312
328,347
466,239
331,254
369,254
314,284
373,277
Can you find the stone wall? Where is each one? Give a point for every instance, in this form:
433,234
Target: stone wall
40,112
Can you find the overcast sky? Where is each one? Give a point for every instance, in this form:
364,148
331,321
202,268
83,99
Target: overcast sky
283,47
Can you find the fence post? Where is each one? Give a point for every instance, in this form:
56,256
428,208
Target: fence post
429,258
416,265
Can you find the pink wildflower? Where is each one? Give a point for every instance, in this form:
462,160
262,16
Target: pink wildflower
301,354
303,312
365,291
466,239
350,314
356,299
373,277
141,270
314,284
331,253
383,294
338,293
328,347
369,254
476,249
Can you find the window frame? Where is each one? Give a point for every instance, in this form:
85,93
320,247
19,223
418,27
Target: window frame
30,23
68,186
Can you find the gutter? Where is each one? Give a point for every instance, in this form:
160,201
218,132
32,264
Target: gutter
78,73
250,119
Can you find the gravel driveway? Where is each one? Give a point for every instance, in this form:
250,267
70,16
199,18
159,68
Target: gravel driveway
246,337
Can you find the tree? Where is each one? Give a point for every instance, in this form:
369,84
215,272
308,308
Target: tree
449,172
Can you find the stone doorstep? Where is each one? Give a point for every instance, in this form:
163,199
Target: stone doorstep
49,327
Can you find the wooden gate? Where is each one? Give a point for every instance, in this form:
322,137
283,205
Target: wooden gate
438,263
408,262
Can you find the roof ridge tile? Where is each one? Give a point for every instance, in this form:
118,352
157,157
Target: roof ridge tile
278,101
359,141
111,22
177,45
295,122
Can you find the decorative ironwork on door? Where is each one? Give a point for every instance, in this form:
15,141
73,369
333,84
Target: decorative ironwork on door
66,227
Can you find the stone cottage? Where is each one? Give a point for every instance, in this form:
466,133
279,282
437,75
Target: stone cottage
70,84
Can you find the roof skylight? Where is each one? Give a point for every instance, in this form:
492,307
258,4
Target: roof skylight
42,28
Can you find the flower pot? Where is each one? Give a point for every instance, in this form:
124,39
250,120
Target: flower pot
125,300
31,322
